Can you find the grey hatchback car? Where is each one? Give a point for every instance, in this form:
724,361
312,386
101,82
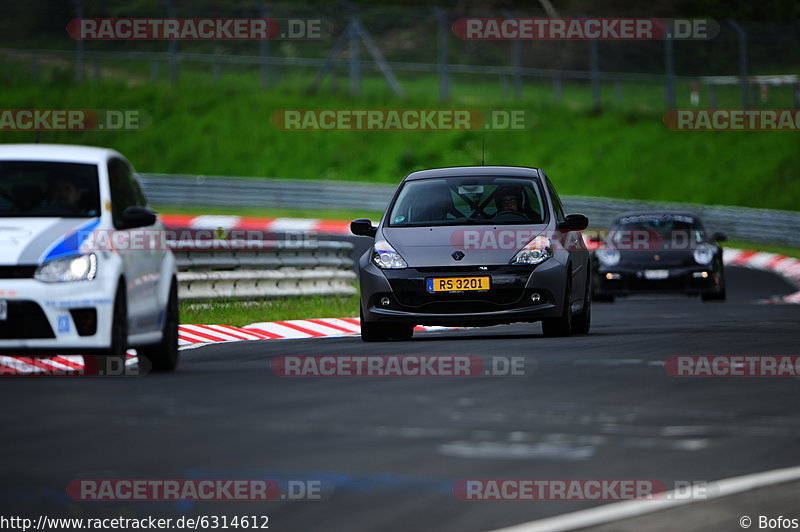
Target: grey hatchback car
473,246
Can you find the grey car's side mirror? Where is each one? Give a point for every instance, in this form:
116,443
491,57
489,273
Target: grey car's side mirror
574,222
363,227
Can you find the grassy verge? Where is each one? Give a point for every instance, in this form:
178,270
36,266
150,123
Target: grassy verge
226,129
240,313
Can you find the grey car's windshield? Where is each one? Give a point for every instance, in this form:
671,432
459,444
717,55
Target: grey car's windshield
44,189
468,200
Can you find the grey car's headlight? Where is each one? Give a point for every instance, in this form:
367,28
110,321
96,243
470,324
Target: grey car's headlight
69,269
608,257
385,257
704,253
536,251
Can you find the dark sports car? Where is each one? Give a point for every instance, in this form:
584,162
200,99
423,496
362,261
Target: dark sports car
658,252
470,246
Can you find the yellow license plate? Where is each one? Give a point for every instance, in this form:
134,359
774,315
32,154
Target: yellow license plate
458,284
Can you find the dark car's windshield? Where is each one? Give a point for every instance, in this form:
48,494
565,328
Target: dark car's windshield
669,228
468,200
43,189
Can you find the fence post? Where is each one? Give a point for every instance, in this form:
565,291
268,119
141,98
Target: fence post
557,88
593,66
80,51
35,66
355,59
441,55
669,68
263,52
742,62
172,46
154,71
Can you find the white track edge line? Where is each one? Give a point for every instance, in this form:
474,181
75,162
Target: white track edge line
618,511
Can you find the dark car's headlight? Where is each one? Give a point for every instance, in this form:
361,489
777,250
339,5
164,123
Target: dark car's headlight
536,251
704,253
69,269
385,257
608,257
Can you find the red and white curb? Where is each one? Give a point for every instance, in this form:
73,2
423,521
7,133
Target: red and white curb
786,267
193,336
269,225
190,335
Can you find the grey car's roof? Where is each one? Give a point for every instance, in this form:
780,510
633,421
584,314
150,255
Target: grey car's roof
510,171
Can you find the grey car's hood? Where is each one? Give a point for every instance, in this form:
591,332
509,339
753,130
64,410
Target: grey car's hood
481,245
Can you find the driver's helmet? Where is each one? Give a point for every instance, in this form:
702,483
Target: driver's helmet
509,198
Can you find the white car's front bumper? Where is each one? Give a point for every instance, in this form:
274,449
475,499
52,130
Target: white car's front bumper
51,317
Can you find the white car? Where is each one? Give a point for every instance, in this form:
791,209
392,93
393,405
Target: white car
82,267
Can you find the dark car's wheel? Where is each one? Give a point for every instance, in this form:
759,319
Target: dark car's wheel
561,326
382,332
720,294
582,322
164,355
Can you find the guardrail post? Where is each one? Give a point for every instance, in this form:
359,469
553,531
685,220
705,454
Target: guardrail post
742,62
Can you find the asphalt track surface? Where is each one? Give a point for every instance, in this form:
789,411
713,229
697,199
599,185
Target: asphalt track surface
388,450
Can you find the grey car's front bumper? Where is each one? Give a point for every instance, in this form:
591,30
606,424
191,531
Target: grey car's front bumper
510,298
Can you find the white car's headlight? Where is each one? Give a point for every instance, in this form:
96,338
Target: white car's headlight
69,269
704,253
385,257
536,251
608,257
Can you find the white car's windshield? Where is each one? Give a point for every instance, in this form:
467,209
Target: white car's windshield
44,189
468,200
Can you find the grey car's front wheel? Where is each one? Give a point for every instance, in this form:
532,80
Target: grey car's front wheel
383,332
561,326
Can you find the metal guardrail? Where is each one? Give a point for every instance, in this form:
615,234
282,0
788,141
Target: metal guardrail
739,223
213,269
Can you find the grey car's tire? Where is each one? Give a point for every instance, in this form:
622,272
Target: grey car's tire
164,355
561,326
582,322
602,298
